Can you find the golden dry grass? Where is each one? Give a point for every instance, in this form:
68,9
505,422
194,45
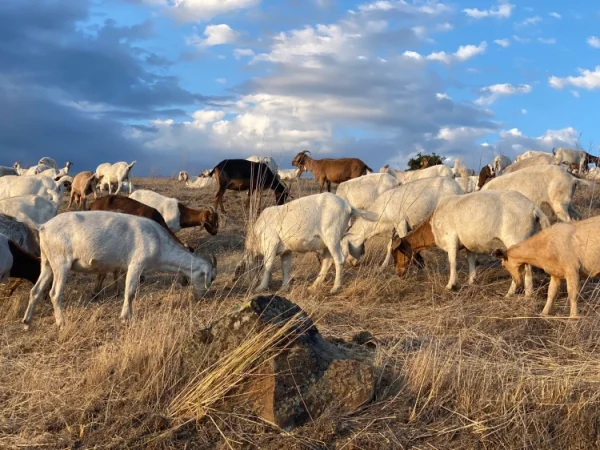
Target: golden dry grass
456,370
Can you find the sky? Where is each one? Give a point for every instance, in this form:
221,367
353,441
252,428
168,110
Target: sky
182,84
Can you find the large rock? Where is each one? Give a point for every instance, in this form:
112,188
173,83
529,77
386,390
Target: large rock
307,376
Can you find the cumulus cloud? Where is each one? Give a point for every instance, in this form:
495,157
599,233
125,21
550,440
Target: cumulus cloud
431,8
587,79
593,41
501,11
463,53
490,94
502,42
214,35
513,141
201,10
555,15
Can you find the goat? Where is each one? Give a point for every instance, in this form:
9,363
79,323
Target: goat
55,173
402,208
114,173
439,170
543,184
183,176
501,162
531,161
243,175
20,170
289,174
469,184
17,263
202,182
38,169
5,171
84,183
327,171
312,223
362,192
460,170
32,210
564,251
103,242
530,154
46,161
486,173
14,186
270,162
479,223
176,214
573,158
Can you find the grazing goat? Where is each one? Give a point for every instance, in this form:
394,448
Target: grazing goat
289,174
270,162
176,214
362,192
572,158
32,210
183,176
309,224
84,183
244,175
114,173
103,242
14,186
327,171
16,263
46,161
202,182
486,173
501,162
551,185
530,154
4,171
460,170
469,184
532,161
479,223
564,251
402,208
439,170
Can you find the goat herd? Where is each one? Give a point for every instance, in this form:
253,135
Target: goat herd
496,213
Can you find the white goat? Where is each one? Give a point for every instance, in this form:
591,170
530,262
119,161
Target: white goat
36,170
481,223
439,170
46,161
265,160
501,162
114,173
308,224
531,161
402,208
183,176
202,182
460,170
577,158
362,192
31,209
103,242
54,173
290,174
20,170
531,153
551,184
468,184
13,186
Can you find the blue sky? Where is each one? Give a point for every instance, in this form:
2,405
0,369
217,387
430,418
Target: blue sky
183,84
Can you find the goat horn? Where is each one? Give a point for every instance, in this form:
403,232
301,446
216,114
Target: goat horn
305,152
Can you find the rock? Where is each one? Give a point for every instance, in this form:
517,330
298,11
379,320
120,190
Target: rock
307,376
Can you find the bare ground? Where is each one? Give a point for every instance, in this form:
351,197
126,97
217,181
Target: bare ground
456,370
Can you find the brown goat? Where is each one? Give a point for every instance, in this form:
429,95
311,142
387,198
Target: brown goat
84,183
487,173
190,217
127,205
328,170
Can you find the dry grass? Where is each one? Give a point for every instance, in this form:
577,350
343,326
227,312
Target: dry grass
466,369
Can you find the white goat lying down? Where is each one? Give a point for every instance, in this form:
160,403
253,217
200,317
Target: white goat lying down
552,185
564,251
13,186
30,209
439,170
202,182
480,222
308,224
103,242
362,192
402,208
289,174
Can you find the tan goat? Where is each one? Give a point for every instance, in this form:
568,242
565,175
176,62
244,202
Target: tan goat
564,251
84,183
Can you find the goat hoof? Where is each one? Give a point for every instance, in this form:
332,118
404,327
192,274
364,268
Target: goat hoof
335,290
453,288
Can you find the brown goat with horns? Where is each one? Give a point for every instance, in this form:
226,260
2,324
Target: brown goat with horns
329,170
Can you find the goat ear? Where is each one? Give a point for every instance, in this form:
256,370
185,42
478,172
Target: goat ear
500,254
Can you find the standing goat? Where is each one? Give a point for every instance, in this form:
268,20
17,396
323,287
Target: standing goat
183,176
327,171
118,173
103,242
84,183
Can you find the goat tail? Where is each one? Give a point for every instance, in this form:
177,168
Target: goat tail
129,166
541,218
367,170
60,182
367,215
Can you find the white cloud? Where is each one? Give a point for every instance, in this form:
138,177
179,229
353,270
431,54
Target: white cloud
412,55
429,8
513,141
442,96
520,39
490,94
502,11
587,80
239,52
555,15
463,53
203,117
200,10
530,21
547,40
214,35
221,80
502,42
593,41
523,111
